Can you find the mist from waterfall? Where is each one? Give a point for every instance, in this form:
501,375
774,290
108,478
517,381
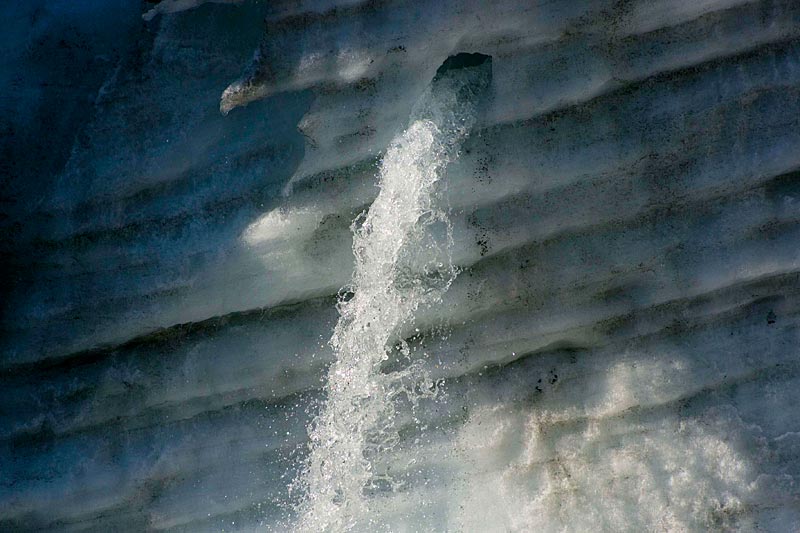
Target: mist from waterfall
402,262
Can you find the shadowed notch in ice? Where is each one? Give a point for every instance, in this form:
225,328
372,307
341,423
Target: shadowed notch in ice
461,61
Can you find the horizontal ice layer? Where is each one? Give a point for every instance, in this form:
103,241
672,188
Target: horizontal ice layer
622,369
202,271
625,218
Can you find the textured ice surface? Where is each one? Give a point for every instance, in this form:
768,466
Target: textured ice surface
619,350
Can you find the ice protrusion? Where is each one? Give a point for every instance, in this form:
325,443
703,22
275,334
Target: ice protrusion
175,6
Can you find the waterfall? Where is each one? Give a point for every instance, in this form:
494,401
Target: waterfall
402,262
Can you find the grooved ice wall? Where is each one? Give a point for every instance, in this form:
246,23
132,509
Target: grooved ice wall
618,352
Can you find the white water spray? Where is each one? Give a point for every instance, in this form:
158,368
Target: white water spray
400,265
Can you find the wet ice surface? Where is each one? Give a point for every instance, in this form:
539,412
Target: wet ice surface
403,264
619,349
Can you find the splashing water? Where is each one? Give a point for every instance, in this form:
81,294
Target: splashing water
400,265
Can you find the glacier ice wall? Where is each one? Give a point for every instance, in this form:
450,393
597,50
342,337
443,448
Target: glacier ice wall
620,348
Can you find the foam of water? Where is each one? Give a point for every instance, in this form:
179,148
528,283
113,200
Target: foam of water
401,264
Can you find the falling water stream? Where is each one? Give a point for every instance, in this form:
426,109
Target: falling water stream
401,248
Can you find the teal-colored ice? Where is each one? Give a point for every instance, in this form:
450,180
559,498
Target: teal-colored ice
608,265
